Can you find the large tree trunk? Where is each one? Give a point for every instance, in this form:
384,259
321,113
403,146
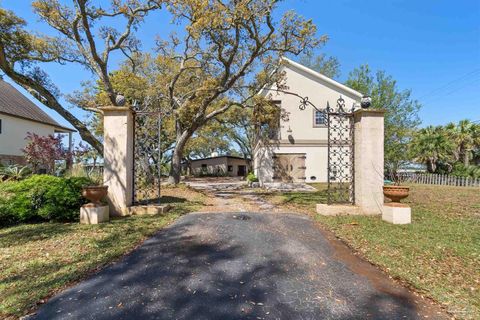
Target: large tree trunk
176,164
176,167
431,166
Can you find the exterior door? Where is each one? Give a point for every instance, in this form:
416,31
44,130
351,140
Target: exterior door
289,167
242,171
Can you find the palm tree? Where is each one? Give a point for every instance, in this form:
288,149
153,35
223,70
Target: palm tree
463,135
476,142
431,145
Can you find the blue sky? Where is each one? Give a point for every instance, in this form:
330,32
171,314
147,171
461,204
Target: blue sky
431,47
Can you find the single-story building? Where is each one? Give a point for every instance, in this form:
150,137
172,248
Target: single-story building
226,165
19,116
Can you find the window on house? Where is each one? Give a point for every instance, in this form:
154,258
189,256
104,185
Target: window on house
204,166
230,168
0,126
320,118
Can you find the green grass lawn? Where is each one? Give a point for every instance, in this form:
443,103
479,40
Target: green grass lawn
438,254
37,260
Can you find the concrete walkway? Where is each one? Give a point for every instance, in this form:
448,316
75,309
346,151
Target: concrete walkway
238,266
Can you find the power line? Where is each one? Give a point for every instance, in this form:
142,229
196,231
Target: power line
448,93
450,84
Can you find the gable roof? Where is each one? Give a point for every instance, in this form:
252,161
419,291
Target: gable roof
320,77
14,103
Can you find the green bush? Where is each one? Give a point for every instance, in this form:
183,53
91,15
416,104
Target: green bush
41,198
251,177
466,171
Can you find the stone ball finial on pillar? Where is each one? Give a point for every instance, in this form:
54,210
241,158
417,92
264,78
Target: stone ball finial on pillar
366,102
120,100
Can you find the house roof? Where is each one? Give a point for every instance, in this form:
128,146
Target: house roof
318,76
321,77
15,104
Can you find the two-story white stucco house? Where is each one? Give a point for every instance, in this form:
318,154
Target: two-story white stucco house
18,116
299,151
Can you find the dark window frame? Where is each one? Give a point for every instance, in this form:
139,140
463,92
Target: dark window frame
324,124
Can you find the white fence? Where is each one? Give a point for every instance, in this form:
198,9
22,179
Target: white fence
438,179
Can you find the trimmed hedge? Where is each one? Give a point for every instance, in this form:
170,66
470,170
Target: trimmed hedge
41,198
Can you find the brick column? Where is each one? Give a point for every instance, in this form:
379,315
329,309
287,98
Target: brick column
369,159
118,157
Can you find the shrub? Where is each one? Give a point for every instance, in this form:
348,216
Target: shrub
42,151
466,171
251,177
14,172
41,198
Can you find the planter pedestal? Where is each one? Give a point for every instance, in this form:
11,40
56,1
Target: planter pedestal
397,213
94,214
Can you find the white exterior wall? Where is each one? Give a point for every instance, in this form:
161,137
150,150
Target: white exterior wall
14,132
304,137
319,93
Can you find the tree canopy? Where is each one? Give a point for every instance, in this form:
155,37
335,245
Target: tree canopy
223,53
448,149
401,118
83,35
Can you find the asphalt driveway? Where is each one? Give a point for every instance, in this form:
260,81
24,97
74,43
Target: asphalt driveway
233,266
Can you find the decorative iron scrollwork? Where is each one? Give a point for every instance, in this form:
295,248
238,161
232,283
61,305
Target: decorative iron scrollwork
340,154
147,155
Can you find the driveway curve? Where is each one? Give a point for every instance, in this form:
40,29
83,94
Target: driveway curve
234,266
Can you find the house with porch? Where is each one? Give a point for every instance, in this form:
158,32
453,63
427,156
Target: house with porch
19,116
298,150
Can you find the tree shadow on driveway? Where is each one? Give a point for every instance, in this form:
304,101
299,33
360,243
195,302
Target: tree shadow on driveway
213,266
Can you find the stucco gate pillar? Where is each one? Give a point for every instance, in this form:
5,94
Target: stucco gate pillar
369,159
118,157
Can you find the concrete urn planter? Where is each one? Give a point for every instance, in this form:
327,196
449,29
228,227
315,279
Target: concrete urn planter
396,193
95,194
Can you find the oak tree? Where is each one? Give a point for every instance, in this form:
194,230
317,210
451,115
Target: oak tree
83,35
228,51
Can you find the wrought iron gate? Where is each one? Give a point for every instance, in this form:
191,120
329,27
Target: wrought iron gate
147,156
341,166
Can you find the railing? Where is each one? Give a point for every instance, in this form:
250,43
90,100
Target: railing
438,179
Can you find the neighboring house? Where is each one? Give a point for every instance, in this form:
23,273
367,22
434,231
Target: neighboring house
219,166
298,152
18,116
